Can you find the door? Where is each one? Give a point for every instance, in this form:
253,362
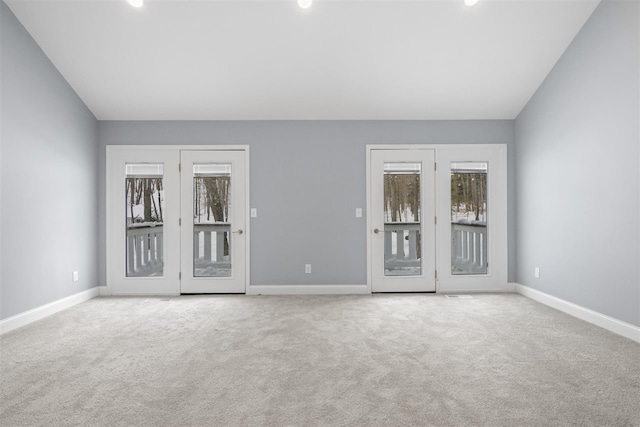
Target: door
143,239
213,222
176,220
472,219
402,212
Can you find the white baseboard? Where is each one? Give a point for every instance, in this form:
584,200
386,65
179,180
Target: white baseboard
440,290
609,323
104,291
43,311
307,290
469,288
345,290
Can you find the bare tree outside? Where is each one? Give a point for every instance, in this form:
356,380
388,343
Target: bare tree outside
468,196
401,197
212,197
145,193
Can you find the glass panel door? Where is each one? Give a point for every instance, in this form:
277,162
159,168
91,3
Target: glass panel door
176,220
403,227
213,238
472,200
143,239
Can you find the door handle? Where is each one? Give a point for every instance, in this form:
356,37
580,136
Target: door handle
238,232
376,230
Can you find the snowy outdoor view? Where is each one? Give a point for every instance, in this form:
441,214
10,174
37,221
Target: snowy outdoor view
211,223
211,226
402,242
144,220
469,218
402,207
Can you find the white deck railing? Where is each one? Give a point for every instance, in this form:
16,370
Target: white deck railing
208,233
145,243
403,251
144,249
406,259
468,248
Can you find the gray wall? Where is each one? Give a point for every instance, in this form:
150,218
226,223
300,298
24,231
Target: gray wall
48,178
577,170
315,172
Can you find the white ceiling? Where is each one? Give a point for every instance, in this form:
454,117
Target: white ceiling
271,60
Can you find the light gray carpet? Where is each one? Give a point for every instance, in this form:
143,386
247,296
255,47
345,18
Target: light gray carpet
317,361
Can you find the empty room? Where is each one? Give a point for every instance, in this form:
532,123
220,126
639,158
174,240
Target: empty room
320,212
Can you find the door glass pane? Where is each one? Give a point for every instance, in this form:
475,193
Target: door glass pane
469,218
211,227
402,242
144,206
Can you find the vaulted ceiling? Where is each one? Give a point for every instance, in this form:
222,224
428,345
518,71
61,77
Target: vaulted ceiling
271,60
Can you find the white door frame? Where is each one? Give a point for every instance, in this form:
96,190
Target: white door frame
115,153
498,277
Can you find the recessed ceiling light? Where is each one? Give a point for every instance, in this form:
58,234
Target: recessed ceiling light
136,3
470,2
305,4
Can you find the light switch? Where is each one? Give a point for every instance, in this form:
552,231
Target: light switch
358,212
254,212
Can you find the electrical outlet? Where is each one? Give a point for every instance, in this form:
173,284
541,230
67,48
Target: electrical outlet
307,268
358,212
75,276
536,272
